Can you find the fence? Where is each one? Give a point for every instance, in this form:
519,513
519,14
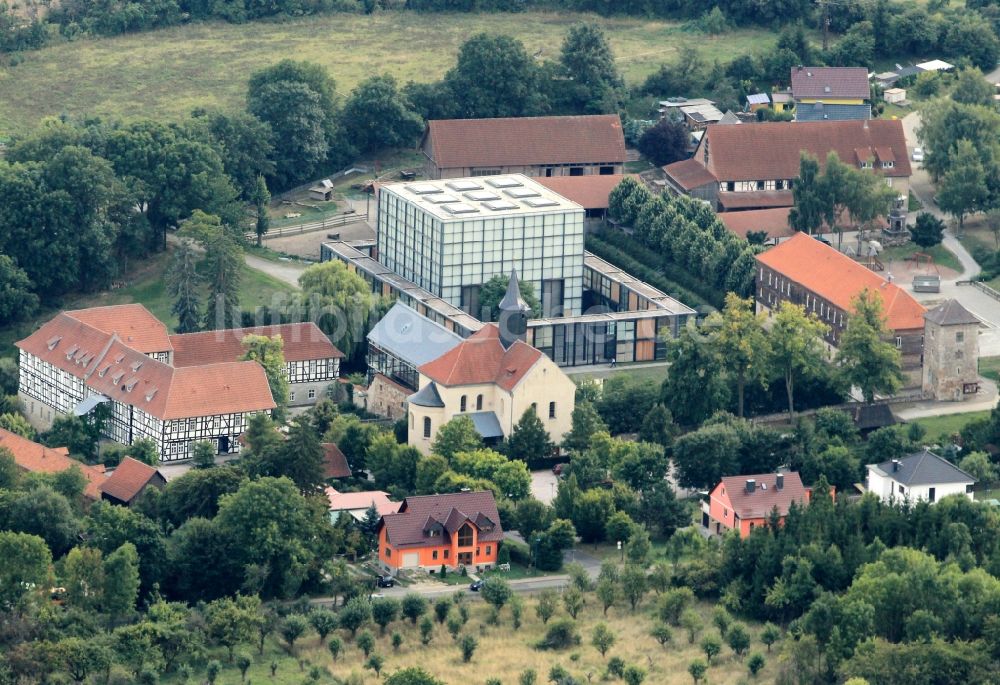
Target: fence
311,226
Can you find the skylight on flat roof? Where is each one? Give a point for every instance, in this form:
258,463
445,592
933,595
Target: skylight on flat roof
441,198
500,205
522,193
504,182
540,202
459,208
464,185
482,195
423,188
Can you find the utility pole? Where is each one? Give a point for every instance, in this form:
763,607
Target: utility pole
824,18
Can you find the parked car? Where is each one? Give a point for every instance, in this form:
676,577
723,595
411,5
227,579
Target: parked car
476,586
918,154
385,581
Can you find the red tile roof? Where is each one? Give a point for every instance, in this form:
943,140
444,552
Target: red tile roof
772,150
458,143
302,342
830,82
109,366
838,278
481,358
37,458
129,478
334,462
774,221
135,325
765,497
756,199
590,192
348,501
407,527
689,174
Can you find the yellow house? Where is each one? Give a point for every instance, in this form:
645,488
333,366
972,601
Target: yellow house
494,377
831,93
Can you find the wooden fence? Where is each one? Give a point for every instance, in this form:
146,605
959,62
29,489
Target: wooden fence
312,226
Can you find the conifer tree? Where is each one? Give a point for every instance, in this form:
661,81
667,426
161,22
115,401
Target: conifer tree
182,286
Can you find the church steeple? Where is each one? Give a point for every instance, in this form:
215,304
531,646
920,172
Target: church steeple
513,313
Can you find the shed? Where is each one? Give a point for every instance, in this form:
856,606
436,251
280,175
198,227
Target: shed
322,191
894,95
757,101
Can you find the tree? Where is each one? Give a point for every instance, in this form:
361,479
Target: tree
414,606
585,423
356,613
45,513
203,455
928,230
692,622
665,142
634,585
662,634
244,661
808,196
529,440
17,301
385,610
426,630
979,466
492,292
377,115
738,639
365,642
441,609
496,592
704,456
323,621
547,604
756,663
245,144
232,621
292,628
121,581
602,638
573,601
711,645
25,570
375,662
744,347
468,646
261,198
658,426
412,676
796,339
695,387
335,645
343,300
972,88
866,360
769,635
593,84
269,353
457,435
697,669
224,269
494,77
963,188
634,675
83,577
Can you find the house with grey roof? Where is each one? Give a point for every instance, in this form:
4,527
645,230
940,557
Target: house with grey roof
922,476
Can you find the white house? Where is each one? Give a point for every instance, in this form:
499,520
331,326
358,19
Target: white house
920,476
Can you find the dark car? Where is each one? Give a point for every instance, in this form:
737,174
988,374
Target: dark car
385,581
476,586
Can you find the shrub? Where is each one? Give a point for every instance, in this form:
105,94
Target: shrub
561,634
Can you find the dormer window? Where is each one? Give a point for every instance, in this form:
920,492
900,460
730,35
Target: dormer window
52,342
888,165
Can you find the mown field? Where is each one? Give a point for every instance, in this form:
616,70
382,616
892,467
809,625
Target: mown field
504,652
169,72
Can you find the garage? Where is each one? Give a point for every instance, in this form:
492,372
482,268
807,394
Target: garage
411,560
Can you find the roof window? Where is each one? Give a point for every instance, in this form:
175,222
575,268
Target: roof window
462,186
131,383
520,193
117,377
71,351
136,366
53,341
150,395
504,182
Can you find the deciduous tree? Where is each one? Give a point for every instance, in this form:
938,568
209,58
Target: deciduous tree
865,357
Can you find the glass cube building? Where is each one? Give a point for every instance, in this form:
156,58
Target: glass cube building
450,237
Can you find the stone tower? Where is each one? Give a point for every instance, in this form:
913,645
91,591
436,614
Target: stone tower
951,352
513,314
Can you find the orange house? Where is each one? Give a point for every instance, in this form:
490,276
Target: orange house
746,502
457,529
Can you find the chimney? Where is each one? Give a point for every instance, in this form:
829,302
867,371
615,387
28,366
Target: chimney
751,485
779,481
895,465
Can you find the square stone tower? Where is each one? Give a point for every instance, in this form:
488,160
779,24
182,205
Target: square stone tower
951,352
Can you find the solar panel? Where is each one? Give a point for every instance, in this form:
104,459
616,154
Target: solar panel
482,195
535,203
504,182
500,205
464,185
522,193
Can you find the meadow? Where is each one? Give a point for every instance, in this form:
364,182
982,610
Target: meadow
167,73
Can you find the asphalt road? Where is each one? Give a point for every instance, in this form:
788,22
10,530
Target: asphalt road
524,586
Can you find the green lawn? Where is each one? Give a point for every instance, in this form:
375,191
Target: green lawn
990,367
169,72
147,285
941,255
656,372
948,424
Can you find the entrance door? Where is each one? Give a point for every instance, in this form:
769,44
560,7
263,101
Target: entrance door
465,558
223,444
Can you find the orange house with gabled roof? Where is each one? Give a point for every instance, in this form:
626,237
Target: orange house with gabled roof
451,530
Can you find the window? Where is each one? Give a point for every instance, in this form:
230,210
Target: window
312,393
576,171
552,410
388,552
470,300
462,406
960,337
899,342
465,536
478,552
607,171
291,397
479,402
958,354
434,555
760,185
931,493
725,513
447,553
730,186
427,427
489,550
411,421
778,185
552,297
901,490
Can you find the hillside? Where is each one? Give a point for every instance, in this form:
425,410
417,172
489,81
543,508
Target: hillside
169,72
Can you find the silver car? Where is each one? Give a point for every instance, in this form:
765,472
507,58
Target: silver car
918,154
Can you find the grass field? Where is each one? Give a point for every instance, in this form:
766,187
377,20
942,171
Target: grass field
941,255
948,424
169,72
504,653
147,285
656,372
990,367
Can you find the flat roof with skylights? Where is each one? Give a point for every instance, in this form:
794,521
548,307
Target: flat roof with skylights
481,197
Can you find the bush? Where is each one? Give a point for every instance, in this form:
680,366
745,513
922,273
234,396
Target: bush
561,634
518,552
